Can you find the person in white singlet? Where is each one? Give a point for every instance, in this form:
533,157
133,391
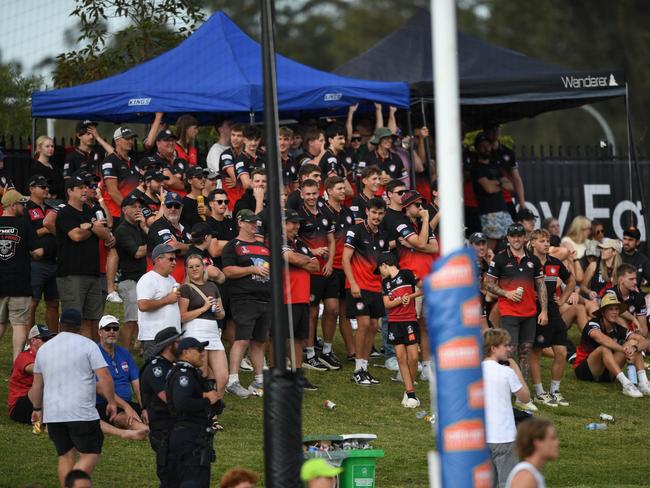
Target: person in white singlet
536,443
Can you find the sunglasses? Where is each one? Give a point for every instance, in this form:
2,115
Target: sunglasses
111,328
600,231
176,206
43,187
171,260
355,139
418,204
222,202
400,192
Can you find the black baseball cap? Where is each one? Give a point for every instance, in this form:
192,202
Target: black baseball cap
82,126
166,135
70,317
477,237
75,181
632,232
290,215
385,258
525,214
38,180
130,199
195,171
155,174
191,343
516,229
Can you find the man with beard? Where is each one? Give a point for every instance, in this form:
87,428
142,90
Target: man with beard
631,254
627,292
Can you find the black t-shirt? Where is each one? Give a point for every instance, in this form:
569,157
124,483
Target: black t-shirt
224,230
81,160
202,253
289,171
392,220
641,263
75,258
391,165
488,202
332,164
17,239
294,200
153,379
553,270
52,174
243,254
190,213
247,201
209,289
161,231
128,238
634,302
358,207
35,214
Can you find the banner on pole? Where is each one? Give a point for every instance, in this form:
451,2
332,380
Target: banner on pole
453,322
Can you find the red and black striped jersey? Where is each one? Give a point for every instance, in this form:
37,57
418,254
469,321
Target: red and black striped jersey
403,283
314,230
367,246
341,222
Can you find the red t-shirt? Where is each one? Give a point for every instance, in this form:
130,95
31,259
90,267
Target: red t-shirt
299,278
191,156
20,382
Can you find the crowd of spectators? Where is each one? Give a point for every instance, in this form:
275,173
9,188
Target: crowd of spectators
182,244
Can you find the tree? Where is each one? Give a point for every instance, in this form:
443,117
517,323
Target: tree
15,104
155,26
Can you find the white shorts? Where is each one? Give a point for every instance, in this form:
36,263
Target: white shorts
205,330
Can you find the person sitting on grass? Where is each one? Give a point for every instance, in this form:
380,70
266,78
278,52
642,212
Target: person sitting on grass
400,287
537,443
605,346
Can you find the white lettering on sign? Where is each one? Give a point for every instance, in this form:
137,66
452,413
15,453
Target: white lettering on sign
591,211
136,102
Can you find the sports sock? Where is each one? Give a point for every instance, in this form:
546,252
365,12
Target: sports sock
555,386
310,352
358,364
426,365
539,389
327,347
364,364
259,378
643,378
233,378
623,379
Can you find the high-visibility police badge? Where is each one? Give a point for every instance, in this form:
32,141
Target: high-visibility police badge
183,381
157,371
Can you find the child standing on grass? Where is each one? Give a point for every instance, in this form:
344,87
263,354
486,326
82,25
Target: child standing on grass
400,288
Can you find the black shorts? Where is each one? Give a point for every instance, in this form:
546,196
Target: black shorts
339,277
252,319
322,288
22,411
552,334
86,436
406,333
583,373
300,318
43,281
101,410
369,304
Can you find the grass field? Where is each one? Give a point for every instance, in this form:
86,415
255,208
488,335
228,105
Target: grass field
612,458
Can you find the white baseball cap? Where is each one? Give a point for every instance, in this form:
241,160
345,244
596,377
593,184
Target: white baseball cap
108,320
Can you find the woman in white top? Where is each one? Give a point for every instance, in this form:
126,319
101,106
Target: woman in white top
577,236
537,443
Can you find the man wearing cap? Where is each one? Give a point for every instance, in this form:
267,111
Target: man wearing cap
18,245
605,346
157,295
318,473
631,254
168,230
166,161
127,424
527,219
194,208
43,271
68,372
514,275
152,192
78,233
119,173
85,157
153,381
384,158
192,400
489,184
246,264
19,401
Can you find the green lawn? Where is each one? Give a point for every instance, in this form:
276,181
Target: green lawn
612,458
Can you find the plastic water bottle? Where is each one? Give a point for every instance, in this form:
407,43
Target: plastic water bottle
595,426
631,374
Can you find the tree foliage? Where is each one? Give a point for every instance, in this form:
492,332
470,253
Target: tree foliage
15,103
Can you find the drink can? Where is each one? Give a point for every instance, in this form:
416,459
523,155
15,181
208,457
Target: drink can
176,287
36,428
99,215
520,290
328,404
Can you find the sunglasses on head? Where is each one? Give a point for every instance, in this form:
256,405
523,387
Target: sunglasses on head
222,202
111,328
176,206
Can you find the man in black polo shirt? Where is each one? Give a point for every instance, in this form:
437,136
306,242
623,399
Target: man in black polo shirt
227,159
166,161
250,158
514,275
314,147
333,161
370,182
194,208
152,193
43,273
131,246
631,254
246,264
307,171
290,166
627,292
364,242
505,159
85,157
254,198
77,236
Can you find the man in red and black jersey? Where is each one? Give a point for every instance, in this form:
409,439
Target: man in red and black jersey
514,275
363,244
84,156
400,288
246,264
248,160
290,166
165,160
370,182
342,219
151,192
254,198
301,264
307,171
604,348
627,292
317,232
43,271
119,173
384,158
227,164
314,147
333,161
553,334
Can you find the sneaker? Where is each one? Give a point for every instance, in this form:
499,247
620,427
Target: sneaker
350,358
307,385
114,297
246,365
571,359
314,364
397,378
360,378
644,388
391,364
559,398
331,361
632,391
410,402
546,399
372,379
256,389
238,390
374,353
425,374
530,406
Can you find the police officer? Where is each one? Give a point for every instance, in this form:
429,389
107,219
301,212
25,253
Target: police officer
191,398
153,380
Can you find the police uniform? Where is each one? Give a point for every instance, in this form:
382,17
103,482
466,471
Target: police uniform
153,379
190,440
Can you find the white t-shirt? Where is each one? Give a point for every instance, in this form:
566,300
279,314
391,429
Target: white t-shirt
499,383
526,466
153,286
68,363
214,154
